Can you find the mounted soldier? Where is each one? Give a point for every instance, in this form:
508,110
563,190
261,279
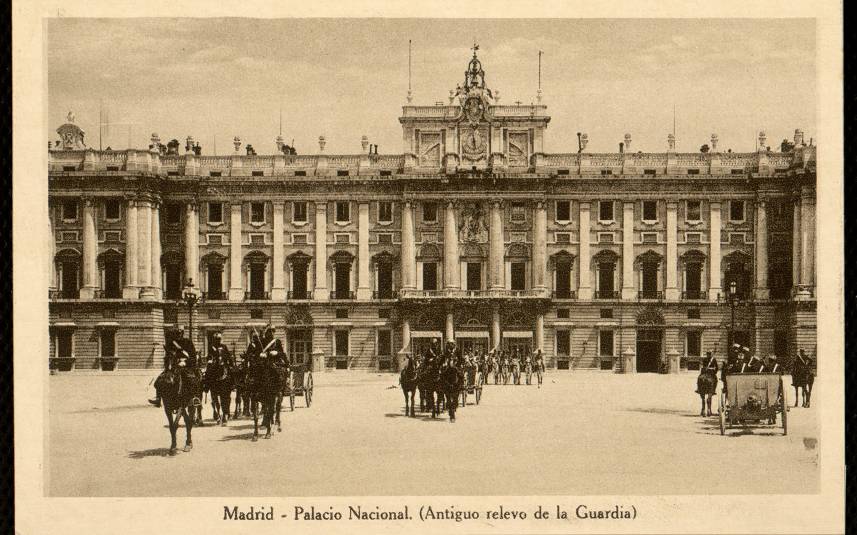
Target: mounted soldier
771,365
755,364
179,354
218,352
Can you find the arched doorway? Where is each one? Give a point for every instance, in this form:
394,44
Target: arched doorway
650,334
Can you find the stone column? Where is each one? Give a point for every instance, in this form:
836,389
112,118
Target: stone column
130,290
90,248
406,335
495,326
236,282
761,262
451,269
796,245
364,289
584,287
191,244
450,326
157,286
409,256
496,267
540,240
715,277
540,332
671,292
320,291
278,287
807,240
144,249
628,290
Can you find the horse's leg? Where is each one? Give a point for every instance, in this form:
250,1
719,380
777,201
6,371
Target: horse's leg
268,407
188,425
702,399
254,409
708,402
808,394
173,425
413,395
797,396
405,392
279,409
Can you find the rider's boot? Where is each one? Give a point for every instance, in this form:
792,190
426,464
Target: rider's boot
156,402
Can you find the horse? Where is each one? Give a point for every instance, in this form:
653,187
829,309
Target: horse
706,387
282,370
242,394
408,380
264,387
427,382
219,379
449,386
803,378
177,391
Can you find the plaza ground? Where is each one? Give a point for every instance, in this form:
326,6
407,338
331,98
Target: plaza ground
581,433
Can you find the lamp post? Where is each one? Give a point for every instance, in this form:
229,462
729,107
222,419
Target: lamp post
191,298
733,298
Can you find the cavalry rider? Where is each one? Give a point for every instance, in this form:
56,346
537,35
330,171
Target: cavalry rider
538,360
273,347
771,365
219,351
433,352
709,364
179,353
754,364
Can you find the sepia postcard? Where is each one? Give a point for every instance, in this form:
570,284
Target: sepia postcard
478,267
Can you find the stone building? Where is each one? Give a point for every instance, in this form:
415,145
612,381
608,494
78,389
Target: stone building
626,261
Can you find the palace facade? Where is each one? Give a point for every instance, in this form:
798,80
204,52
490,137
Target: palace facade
625,261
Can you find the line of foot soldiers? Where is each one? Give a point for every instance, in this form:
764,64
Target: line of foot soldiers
496,360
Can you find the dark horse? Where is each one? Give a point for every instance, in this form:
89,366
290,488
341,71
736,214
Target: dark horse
706,387
408,380
219,379
449,386
803,378
428,384
242,393
263,384
177,390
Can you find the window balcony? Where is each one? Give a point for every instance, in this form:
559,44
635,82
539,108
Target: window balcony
341,295
567,294
653,295
107,294
257,296
697,295
299,295
215,296
421,294
64,294
383,294
606,294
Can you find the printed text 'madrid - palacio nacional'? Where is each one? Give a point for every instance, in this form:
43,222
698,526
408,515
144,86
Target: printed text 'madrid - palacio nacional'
625,261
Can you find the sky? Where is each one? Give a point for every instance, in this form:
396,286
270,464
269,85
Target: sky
344,78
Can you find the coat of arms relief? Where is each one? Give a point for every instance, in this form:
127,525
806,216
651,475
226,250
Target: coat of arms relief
472,228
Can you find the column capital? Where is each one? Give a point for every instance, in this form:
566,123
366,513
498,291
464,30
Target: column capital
541,204
672,205
585,204
714,205
88,201
408,203
451,203
496,202
321,205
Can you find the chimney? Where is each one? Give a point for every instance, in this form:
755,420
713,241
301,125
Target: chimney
798,137
364,142
621,148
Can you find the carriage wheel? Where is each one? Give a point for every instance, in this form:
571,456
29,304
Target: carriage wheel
308,389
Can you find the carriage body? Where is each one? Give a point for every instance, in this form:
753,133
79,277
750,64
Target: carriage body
753,397
472,384
299,383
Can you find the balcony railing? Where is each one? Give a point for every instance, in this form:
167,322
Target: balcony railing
341,294
214,296
606,294
298,295
473,294
567,294
257,296
697,295
384,294
64,294
421,294
107,294
650,294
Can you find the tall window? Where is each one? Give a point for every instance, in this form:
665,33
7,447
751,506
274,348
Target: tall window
385,343
606,271
694,344
605,211
474,276
605,343
173,276
214,282
430,276
299,212
343,213
694,210
112,279
650,211
173,213
342,282
215,213
563,342
563,210
257,212
519,276
299,279
562,289
341,343
385,279
649,274
257,281
385,212
693,280
70,275
107,345
430,212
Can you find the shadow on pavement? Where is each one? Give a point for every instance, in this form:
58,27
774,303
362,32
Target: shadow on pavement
242,436
154,452
653,410
119,408
423,417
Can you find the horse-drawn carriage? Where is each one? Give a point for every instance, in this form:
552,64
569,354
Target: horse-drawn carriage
299,383
472,384
753,397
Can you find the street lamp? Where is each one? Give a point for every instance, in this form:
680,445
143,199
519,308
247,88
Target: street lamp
733,298
191,298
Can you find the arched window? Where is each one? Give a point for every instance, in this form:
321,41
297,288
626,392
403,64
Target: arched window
518,256
429,258
212,265
649,264
562,264
256,266
693,261
68,273
110,264
605,265
383,263
341,263
172,263
299,269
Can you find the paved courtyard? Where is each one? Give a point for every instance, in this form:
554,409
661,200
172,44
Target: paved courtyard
581,433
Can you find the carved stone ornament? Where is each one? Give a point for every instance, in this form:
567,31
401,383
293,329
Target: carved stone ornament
472,228
474,110
473,145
